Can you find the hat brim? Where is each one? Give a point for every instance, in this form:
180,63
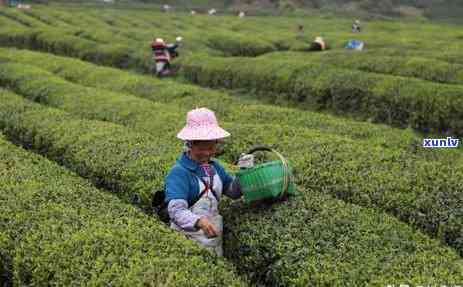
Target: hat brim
200,133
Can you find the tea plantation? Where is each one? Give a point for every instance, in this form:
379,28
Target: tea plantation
87,133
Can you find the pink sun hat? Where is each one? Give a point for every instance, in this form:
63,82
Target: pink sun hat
201,124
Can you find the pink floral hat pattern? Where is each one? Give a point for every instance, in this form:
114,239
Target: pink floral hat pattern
201,124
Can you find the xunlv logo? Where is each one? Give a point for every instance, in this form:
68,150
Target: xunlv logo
448,142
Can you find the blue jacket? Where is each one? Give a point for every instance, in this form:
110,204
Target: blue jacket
182,184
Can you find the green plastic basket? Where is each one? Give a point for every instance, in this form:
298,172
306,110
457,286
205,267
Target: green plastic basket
267,180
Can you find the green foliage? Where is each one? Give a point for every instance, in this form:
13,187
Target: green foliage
22,18
393,100
315,241
62,231
239,110
118,129
416,67
359,152
93,150
239,45
89,147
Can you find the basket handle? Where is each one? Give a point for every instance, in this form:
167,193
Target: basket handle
283,161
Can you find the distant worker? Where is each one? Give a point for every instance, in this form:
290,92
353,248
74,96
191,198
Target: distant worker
163,54
354,45
318,44
356,26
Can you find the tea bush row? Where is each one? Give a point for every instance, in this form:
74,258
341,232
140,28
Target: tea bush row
395,180
56,229
88,145
397,101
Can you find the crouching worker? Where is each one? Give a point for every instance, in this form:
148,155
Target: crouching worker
318,44
194,185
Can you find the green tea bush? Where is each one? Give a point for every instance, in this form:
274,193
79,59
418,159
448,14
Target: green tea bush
110,153
22,18
90,158
135,27
62,231
402,182
187,96
397,182
396,101
8,23
316,241
410,66
182,95
135,37
48,19
239,45
56,41
17,37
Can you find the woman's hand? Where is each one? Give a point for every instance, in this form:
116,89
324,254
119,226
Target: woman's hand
207,227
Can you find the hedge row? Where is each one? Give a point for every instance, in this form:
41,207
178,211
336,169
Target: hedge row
56,41
83,144
136,113
451,56
17,37
104,33
394,100
109,154
316,241
47,19
92,103
51,90
229,34
395,180
227,107
248,38
22,19
411,66
239,45
43,19
73,19
114,54
10,23
56,229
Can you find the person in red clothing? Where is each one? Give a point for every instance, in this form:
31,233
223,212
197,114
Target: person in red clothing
161,56
163,53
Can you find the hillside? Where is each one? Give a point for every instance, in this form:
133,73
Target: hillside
434,9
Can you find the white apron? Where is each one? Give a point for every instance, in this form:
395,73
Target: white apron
207,206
